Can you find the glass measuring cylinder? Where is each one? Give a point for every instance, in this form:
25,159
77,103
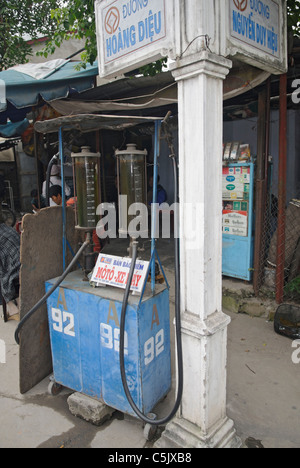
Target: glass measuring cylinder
132,182
86,169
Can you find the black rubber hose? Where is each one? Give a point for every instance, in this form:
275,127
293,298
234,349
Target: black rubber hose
51,291
143,417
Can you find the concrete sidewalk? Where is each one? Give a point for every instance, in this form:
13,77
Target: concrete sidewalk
263,398
263,383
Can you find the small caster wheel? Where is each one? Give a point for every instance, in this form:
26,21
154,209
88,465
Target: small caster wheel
54,388
150,430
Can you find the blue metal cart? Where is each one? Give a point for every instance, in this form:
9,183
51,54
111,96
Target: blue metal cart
84,331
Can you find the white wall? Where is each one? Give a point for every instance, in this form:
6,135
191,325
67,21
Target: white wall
65,50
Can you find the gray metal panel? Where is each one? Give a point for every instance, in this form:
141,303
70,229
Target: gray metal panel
41,259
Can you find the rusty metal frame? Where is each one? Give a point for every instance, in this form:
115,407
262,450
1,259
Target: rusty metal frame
281,189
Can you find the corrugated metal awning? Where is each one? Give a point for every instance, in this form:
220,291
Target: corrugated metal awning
90,122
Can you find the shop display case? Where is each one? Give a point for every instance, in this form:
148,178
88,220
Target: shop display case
237,219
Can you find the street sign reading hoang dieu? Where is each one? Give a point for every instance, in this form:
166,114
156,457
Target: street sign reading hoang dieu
132,33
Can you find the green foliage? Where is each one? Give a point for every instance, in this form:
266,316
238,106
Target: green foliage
293,287
18,21
74,20
293,10
153,68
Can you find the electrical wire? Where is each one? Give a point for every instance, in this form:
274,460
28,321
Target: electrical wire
207,42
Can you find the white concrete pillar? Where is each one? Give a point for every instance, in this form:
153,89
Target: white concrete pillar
201,420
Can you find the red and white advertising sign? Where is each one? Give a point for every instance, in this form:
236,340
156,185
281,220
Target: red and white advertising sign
114,271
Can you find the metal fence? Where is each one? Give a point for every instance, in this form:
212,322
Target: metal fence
280,255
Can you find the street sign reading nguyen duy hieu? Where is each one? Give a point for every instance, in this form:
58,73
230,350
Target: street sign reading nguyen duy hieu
257,33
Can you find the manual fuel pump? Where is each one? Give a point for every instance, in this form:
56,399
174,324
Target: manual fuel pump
85,321
107,343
